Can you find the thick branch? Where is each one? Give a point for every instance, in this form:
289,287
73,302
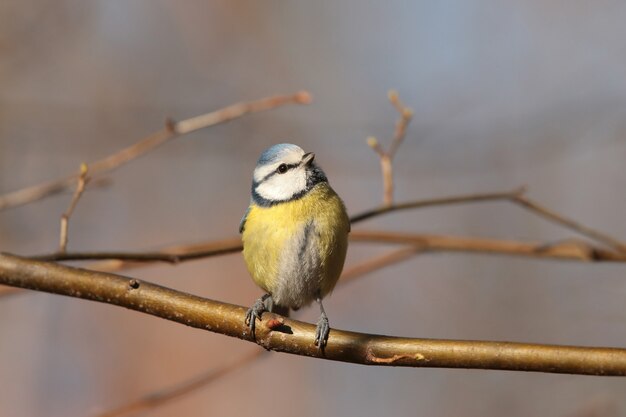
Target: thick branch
296,337
170,131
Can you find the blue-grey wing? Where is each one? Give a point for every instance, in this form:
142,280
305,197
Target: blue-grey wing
242,224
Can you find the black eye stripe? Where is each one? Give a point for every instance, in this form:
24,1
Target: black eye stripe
282,168
276,171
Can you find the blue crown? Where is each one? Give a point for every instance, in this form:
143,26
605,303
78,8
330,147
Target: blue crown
274,153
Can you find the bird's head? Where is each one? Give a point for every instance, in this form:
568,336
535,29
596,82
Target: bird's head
284,172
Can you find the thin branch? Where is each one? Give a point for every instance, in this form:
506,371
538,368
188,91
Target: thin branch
204,250
555,217
379,262
297,337
170,131
442,201
516,196
157,398
80,188
569,249
386,156
406,114
171,254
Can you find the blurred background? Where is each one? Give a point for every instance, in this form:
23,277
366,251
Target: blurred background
504,93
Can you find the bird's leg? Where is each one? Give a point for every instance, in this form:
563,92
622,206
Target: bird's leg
256,311
323,328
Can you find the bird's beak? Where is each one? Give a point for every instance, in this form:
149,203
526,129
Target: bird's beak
307,158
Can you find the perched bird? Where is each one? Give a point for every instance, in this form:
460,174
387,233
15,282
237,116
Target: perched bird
295,235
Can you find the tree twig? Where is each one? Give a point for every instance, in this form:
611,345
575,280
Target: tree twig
187,252
379,262
80,188
171,130
222,247
297,337
516,196
555,217
570,249
442,201
386,156
157,398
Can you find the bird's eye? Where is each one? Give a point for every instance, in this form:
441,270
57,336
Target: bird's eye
282,168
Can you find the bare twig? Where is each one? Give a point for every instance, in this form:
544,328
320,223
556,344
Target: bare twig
171,254
555,217
571,249
155,399
442,201
171,130
80,188
342,346
203,250
386,156
379,262
516,196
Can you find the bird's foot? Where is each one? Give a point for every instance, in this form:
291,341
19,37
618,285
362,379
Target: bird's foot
255,312
322,331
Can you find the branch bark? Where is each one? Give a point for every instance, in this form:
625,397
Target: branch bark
296,337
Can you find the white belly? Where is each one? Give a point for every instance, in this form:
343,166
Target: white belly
301,271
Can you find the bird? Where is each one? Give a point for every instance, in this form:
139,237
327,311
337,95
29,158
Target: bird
294,234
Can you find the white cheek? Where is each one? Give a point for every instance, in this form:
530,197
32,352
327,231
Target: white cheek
262,172
282,187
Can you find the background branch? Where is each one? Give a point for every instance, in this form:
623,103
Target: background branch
571,249
440,201
558,218
296,337
158,398
386,156
171,131
65,218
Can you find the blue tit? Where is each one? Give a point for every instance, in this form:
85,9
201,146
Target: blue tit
295,235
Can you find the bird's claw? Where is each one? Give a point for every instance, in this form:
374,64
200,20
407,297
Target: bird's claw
255,312
322,331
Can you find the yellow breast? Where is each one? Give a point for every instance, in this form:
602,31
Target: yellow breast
296,249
